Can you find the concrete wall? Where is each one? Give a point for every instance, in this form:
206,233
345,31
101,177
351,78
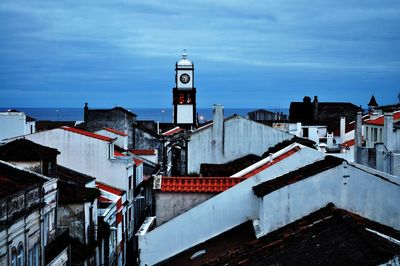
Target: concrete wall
146,141
12,124
345,186
117,119
170,205
72,216
240,137
122,141
86,155
216,215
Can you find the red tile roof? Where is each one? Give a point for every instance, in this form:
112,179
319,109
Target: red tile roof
86,133
274,161
104,199
198,184
143,152
116,131
349,143
117,153
379,121
109,189
138,162
172,131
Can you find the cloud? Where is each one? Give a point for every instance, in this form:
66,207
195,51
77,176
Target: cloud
79,42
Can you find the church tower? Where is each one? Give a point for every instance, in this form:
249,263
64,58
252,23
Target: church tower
184,94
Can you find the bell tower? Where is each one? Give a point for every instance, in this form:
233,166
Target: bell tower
184,94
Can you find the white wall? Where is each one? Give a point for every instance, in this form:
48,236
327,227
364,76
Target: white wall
241,137
12,124
216,215
122,141
86,155
345,186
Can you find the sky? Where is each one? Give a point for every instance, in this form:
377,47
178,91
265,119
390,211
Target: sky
262,54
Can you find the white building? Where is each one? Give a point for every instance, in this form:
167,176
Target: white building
93,154
226,140
14,123
28,204
277,195
121,137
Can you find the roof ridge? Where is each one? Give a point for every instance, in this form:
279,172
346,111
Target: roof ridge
269,186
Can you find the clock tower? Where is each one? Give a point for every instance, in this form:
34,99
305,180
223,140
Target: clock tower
184,94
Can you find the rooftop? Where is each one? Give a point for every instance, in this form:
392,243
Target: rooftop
144,152
23,149
14,179
198,184
123,134
87,133
110,189
329,236
380,120
172,131
73,177
312,169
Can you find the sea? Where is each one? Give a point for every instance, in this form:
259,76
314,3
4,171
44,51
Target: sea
163,115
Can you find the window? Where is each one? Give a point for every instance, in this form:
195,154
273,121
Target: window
366,133
380,135
34,255
14,257
20,257
130,182
375,134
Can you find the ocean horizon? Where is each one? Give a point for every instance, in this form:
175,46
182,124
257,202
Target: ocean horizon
163,115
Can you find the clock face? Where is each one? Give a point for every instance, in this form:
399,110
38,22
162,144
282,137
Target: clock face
184,78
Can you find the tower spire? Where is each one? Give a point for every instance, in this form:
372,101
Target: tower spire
184,54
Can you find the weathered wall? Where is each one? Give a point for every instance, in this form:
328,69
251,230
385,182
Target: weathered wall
72,216
240,137
99,119
170,205
146,141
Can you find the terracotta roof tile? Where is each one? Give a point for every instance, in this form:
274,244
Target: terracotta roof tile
144,152
348,143
86,133
198,184
116,131
138,162
117,153
109,189
379,121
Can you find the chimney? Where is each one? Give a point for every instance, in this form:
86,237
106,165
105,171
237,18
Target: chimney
358,130
388,131
342,129
218,132
85,113
315,109
358,138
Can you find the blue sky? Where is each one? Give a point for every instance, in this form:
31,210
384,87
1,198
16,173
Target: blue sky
246,54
